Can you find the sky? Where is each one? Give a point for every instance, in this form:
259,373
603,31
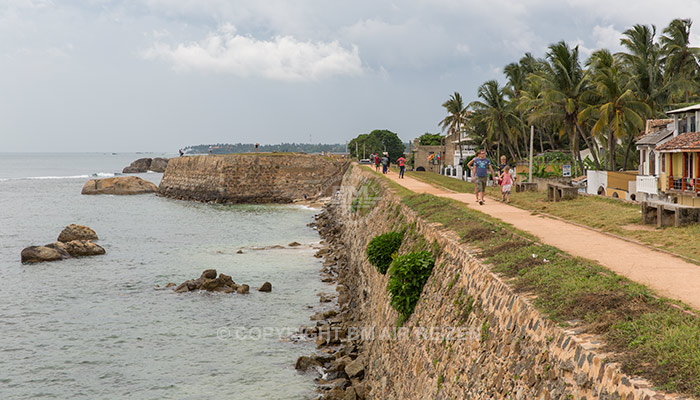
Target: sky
158,75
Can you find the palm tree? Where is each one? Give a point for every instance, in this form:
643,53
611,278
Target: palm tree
643,60
455,119
617,111
564,82
498,116
681,60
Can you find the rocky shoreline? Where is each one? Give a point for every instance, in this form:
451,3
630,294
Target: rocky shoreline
339,361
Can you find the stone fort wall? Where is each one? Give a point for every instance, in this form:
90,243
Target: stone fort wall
506,348
251,178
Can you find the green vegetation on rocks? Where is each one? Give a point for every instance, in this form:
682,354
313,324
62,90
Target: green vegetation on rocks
382,248
408,274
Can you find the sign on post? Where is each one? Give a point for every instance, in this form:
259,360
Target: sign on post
566,170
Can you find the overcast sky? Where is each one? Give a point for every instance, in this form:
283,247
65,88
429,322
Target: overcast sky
157,75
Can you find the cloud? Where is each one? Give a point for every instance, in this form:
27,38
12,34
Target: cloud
607,37
282,58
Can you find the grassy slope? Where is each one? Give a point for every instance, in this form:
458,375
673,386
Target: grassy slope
609,215
650,335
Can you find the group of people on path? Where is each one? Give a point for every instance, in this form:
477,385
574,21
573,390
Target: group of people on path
480,166
386,163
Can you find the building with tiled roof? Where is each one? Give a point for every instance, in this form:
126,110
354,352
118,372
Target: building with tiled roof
679,177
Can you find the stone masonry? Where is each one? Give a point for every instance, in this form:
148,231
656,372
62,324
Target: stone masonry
500,346
251,178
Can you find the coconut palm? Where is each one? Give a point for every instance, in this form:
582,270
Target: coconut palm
643,60
564,83
455,119
617,112
681,60
499,117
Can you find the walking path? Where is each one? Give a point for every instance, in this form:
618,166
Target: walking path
670,276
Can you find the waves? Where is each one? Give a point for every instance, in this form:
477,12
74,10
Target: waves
31,178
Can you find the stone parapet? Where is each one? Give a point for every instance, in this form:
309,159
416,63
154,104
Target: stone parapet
251,178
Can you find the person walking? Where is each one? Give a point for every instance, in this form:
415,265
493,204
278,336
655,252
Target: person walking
501,167
377,160
385,163
506,180
482,165
402,166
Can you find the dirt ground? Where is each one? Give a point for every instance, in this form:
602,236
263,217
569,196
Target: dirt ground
670,276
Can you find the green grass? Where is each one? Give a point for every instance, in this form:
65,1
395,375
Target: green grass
608,215
648,334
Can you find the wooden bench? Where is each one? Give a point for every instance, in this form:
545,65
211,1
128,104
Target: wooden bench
559,192
668,214
526,187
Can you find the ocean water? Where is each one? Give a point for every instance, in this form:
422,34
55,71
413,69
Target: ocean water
98,328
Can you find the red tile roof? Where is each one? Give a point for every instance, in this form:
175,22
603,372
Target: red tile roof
684,141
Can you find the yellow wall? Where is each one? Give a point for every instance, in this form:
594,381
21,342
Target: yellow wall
689,200
621,180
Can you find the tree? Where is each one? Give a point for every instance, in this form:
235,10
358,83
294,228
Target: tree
616,110
498,115
644,63
455,119
565,82
681,60
430,139
377,141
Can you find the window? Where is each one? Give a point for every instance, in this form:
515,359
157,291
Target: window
663,162
689,165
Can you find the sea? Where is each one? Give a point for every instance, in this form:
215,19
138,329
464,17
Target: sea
104,327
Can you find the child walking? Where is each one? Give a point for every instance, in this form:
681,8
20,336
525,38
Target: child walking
506,183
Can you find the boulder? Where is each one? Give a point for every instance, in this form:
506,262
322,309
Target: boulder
35,254
210,282
208,274
294,244
82,248
335,394
356,368
266,287
304,363
76,232
60,250
158,164
138,166
243,289
350,394
121,185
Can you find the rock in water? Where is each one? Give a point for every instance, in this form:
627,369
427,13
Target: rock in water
138,166
158,164
243,289
266,287
35,254
82,248
76,232
209,282
208,274
304,363
121,185
294,244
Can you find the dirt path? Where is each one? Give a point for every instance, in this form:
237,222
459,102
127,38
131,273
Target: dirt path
668,275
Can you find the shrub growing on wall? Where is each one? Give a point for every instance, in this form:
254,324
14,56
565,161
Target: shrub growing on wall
409,273
381,248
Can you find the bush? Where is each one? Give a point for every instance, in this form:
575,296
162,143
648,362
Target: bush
408,275
381,248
